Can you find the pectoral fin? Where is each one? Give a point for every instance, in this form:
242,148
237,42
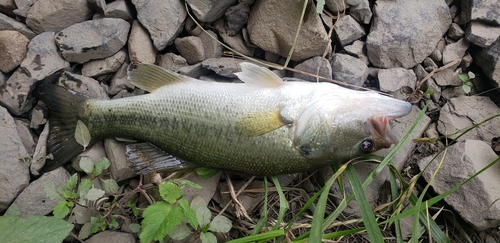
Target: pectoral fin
258,123
145,158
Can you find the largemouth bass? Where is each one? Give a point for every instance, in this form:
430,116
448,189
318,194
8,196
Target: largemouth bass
263,126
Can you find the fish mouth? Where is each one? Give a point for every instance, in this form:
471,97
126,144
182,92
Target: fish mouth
380,130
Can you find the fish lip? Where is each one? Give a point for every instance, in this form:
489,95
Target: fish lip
380,129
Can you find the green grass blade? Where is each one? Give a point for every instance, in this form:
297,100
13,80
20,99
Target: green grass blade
394,196
259,237
283,203
263,218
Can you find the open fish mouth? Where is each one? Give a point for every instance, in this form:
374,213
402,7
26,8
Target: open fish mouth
380,129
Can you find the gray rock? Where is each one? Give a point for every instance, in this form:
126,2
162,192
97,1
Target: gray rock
447,77
81,84
348,30
362,12
39,156
119,9
209,10
481,34
484,10
357,48
466,61
208,190
82,42
191,48
237,43
7,23
211,45
429,64
455,32
489,60
140,45
95,153
23,6
236,17
111,237
115,152
349,69
55,15
37,117
436,55
193,71
42,60
311,66
224,66
108,65
162,30
3,78
6,6
337,6
460,162
455,51
452,91
395,39
13,49
13,171
28,138
33,200
393,79
272,27
464,111
98,6
171,61
120,81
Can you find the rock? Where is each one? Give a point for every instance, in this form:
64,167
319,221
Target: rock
311,66
362,12
119,9
13,49
272,27
6,6
484,10
108,65
33,200
489,60
429,64
171,61
42,60
357,48
208,190
236,17
13,170
55,15
191,48
39,156
237,42
120,81
98,6
436,55
224,66
395,39
115,152
23,6
460,162
393,79
95,153
348,30
162,30
193,71
211,46
337,6
452,91
447,77
81,84
464,111
111,236
349,69
455,51
7,23
481,34
249,201
209,10
37,117
27,137
455,32
3,78
140,45
77,46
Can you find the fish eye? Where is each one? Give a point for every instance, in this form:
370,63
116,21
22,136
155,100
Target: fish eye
367,146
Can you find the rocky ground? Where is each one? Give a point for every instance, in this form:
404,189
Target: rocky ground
391,46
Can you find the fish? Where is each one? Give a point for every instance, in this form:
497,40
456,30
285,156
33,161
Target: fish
262,126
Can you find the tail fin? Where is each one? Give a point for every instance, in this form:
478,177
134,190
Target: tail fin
65,108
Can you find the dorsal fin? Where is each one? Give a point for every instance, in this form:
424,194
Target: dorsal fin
150,77
255,75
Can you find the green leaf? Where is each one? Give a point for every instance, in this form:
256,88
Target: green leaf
71,184
61,209
205,172
51,191
189,183
84,187
320,5
86,164
466,88
85,231
100,166
181,231
170,191
94,194
33,229
220,224
471,75
110,185
463,77
203,214
82,134
189,213
113,224
208,237
135,227
159,220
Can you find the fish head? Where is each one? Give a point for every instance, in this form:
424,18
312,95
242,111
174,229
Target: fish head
336,128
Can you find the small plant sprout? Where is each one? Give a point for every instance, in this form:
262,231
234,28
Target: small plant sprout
466,79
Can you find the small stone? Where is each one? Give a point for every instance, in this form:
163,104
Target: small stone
236,42
484,10
7,23
6,6
466,61
362,12
93,39
211,45
111,236
81,84
455,51
357,48
39,156
119,82
193,71
191,48
162,30
337,6
436,55
271,57
447,77
28,138
348,30
429,64
489,60
209,10
98,6
115,152
349,69
95,153
224,66
140,45
455,32
119,9
104,66
192,28
236,17
481,34
37,117
55,15
311,66
13,48
171,61
393,79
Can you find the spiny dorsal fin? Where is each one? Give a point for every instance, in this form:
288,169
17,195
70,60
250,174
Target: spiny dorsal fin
258,123
255,75
150,77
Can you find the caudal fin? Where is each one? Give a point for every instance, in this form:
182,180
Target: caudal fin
65,108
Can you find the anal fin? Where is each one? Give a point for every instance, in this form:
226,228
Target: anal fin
145,158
